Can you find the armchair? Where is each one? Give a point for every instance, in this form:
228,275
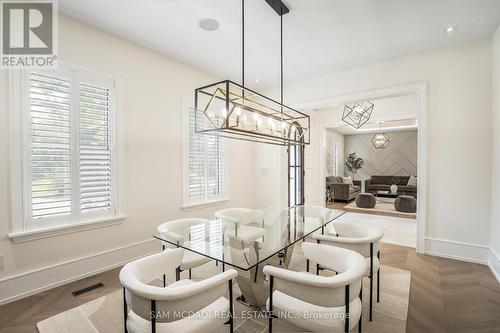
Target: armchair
362,239
190,259
336,299
183,306
341,191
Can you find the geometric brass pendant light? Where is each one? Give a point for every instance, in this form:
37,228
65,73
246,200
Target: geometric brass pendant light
228,109
380,140
357,114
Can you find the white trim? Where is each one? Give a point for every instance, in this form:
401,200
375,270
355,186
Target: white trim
32,282
457,250
204,204
20,191
26,236
187,106
16,151
494,263
418,88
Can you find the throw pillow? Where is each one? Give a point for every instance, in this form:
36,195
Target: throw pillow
347,180
412,181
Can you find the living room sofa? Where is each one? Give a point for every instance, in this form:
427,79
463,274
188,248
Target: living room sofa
383,183
343,192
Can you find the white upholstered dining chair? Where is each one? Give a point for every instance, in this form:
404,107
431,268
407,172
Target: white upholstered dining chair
171,231
365,240
319,303
247,223
183,306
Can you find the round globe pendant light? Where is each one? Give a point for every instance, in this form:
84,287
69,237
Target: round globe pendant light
380,140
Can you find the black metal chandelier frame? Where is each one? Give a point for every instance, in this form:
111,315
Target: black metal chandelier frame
230,100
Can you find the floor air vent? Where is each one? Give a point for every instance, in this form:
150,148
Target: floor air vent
87,289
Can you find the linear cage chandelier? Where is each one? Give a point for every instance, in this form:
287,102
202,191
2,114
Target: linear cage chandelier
231,110
357,114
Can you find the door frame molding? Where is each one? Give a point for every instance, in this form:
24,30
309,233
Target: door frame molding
418,88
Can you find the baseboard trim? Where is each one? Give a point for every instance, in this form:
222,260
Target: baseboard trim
494,264
457,250
22,285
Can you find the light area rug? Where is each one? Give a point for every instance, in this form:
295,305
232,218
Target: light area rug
105,314
383,206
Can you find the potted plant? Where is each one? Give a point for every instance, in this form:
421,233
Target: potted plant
353,163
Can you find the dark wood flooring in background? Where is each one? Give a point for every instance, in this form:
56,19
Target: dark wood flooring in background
445,296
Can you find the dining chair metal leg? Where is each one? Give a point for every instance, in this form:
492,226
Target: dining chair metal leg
360,323
347,301
270,310
153,316
231,309
177,274
190,274
125,312
317,269
378,278
164,278
371,281
307,265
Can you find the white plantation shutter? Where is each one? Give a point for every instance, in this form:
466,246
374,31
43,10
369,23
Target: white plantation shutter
69,156
196,161
49,137
95,148
214,165
205,172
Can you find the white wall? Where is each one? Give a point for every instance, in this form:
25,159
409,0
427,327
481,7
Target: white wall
385,109
332,136
153,91
495,183
266,176
459,130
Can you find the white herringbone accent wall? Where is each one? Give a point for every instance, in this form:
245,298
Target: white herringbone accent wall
399,158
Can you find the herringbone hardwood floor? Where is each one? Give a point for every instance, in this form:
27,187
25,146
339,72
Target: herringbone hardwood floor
445,296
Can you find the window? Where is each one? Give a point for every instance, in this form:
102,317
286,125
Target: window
296,172
66,123
205,165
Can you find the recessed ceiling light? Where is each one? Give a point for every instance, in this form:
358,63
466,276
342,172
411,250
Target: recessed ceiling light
256,80
450,29
208,24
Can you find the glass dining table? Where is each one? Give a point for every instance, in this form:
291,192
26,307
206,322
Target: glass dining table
248,244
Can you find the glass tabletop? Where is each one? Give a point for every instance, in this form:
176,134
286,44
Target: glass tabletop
244,238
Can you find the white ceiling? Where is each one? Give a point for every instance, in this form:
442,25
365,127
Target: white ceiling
319,35
386,126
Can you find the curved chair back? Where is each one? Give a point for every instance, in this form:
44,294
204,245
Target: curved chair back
173,230
188,297
240,215
322,290
353,237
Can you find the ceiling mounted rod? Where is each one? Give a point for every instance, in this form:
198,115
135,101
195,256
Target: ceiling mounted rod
279,7
243,42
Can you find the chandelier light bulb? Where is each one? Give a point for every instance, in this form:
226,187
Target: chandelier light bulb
237,110
224,113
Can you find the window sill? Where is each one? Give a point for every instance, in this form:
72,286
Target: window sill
26,236
191,206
